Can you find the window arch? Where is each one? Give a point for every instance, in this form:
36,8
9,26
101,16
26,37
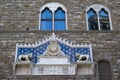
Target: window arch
59,19
53,16
98,18
104,20
92,20
104,70
46,19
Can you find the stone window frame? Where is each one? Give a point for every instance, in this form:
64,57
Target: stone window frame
53,6
97,8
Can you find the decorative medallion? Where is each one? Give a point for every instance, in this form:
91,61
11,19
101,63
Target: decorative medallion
53,49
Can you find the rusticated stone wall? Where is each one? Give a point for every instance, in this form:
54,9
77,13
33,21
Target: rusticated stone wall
105,46
23,14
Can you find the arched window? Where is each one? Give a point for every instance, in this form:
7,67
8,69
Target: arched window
53,17
46,19
59,20
98,18
104,20
92,20
104,70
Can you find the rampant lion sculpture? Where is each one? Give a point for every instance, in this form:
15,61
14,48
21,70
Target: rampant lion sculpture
82,57
25,57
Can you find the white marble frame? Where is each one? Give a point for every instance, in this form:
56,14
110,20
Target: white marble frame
53,6
97,8
53,37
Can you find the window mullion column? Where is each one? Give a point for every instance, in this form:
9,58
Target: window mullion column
98,18
110,22
53,21
66,20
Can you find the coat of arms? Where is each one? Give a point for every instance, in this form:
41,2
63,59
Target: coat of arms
53,49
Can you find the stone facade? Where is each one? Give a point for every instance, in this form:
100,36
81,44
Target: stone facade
16,16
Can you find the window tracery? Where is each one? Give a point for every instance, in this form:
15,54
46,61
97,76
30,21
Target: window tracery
98,18
53,17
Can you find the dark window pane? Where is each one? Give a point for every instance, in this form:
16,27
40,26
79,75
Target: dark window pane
46,19
104,20
104,71
92,20
59,20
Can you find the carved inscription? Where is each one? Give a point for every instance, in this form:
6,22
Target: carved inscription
55,70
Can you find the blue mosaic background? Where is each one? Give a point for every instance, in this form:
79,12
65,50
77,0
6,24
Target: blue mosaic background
39,50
